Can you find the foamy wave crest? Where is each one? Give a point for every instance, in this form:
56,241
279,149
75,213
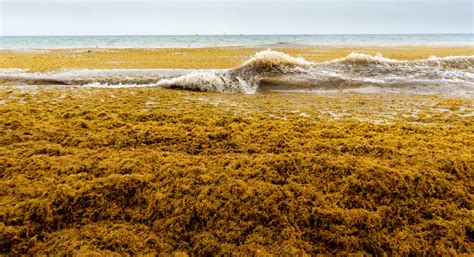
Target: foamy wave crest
453,62
244,79
358,58
273,60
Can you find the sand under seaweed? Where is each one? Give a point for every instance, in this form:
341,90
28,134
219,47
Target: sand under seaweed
138,171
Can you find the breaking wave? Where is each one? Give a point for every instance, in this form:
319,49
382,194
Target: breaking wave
275,71
454,62
211,82
244,79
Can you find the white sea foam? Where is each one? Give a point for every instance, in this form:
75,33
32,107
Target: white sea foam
120,85
274,59
358,58
456,62
208,82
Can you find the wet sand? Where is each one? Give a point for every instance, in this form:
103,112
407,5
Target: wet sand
196,58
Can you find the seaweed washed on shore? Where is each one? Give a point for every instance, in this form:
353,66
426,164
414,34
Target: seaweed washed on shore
134,171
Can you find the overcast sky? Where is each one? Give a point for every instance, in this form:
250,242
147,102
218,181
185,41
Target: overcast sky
160,17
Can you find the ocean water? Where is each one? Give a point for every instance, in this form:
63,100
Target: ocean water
273,71
54,42
267,70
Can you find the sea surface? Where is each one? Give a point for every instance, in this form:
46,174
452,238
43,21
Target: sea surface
55,42
268,70
275,71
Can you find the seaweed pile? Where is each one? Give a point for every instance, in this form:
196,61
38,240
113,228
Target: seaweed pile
198,58
139,171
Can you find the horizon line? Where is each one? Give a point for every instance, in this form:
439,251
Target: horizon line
245,34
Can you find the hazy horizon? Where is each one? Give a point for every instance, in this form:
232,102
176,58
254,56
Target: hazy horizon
165,18
241,34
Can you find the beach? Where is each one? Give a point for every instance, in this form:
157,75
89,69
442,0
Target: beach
372,156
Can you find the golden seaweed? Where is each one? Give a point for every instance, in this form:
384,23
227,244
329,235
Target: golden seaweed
152,171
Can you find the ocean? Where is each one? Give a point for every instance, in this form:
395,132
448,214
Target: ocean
273,71
268,70
57,42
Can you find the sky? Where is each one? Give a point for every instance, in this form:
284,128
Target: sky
165,17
